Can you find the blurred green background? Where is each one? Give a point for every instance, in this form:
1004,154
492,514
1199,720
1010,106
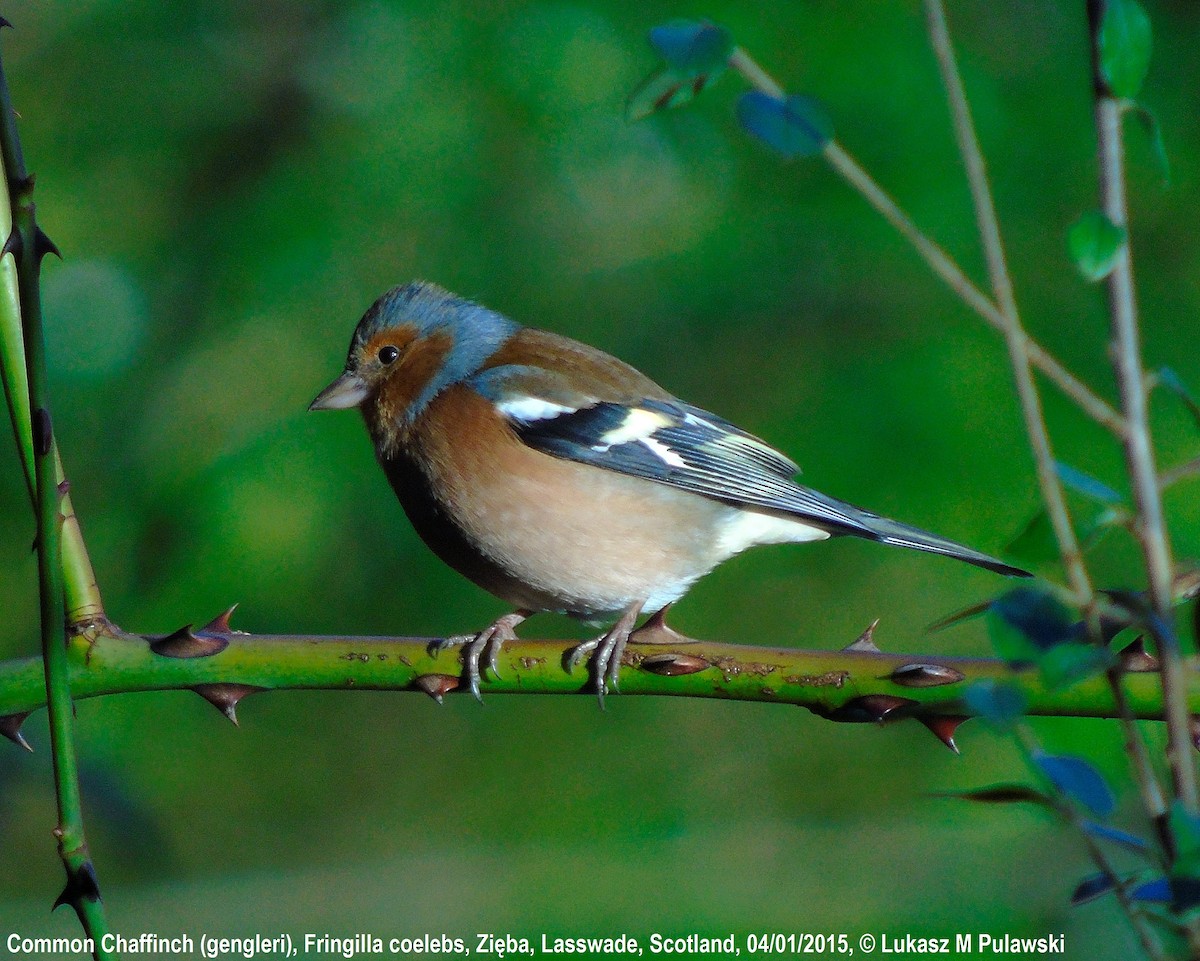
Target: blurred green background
232,184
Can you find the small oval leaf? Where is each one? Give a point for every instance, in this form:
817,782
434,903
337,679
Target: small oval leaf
1124,47
1117,836
1157,891
1002,704
1085,484
1092,887
797,127
692,46
1158,149
1094,243
1077,779
1169,379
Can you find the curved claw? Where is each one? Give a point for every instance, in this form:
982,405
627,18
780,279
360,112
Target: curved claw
606,652
489,641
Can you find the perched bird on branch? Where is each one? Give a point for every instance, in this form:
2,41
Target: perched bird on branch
561,479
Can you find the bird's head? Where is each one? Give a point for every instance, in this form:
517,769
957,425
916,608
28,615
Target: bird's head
413,343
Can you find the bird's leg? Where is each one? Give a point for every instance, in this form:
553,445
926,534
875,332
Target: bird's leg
487,642
606,651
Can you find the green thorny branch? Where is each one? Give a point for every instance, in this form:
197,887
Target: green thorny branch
59,543
858,683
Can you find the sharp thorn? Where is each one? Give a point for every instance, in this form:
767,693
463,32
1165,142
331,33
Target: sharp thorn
657,631
673,665
225,697
220,623
925,675
43,245
943,726
872,709
438,685
185,643
13,244
865,642
64,488
1135,659
10,727
5,22
81,886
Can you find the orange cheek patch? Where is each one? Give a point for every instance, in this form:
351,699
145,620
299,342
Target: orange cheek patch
412,373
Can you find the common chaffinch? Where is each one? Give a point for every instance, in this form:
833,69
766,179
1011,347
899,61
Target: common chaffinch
561,479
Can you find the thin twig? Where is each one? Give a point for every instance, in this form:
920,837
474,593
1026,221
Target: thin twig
940,262
1014,334
1067,811
1173,475
1052,492
29,245
1139,452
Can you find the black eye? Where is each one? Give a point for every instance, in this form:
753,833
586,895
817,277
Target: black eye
388,354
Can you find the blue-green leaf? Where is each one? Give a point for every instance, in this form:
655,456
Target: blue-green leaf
663,89
695,53
1085,484
1036,544
1077,779
1094,243
1174,383
1092,887
797,127
1158,149
1157,891
1067,664
1124,47
1027,621
995,701
693,47
1117,836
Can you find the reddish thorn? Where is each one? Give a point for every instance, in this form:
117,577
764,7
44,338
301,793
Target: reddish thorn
10,727
184,643
673,665
1135,659
436,685
225,697
872,708
943,726
63,487
925,675
865,642
220,623
657,631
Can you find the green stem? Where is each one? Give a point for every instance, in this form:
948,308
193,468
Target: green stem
28,244
107,660
81,593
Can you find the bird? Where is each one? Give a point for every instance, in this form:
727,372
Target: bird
560,478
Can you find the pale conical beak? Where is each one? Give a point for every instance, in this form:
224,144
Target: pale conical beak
345,392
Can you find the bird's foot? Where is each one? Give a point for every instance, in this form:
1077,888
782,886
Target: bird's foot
605,652
481,652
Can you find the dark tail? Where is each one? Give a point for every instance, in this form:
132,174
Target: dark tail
902,535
